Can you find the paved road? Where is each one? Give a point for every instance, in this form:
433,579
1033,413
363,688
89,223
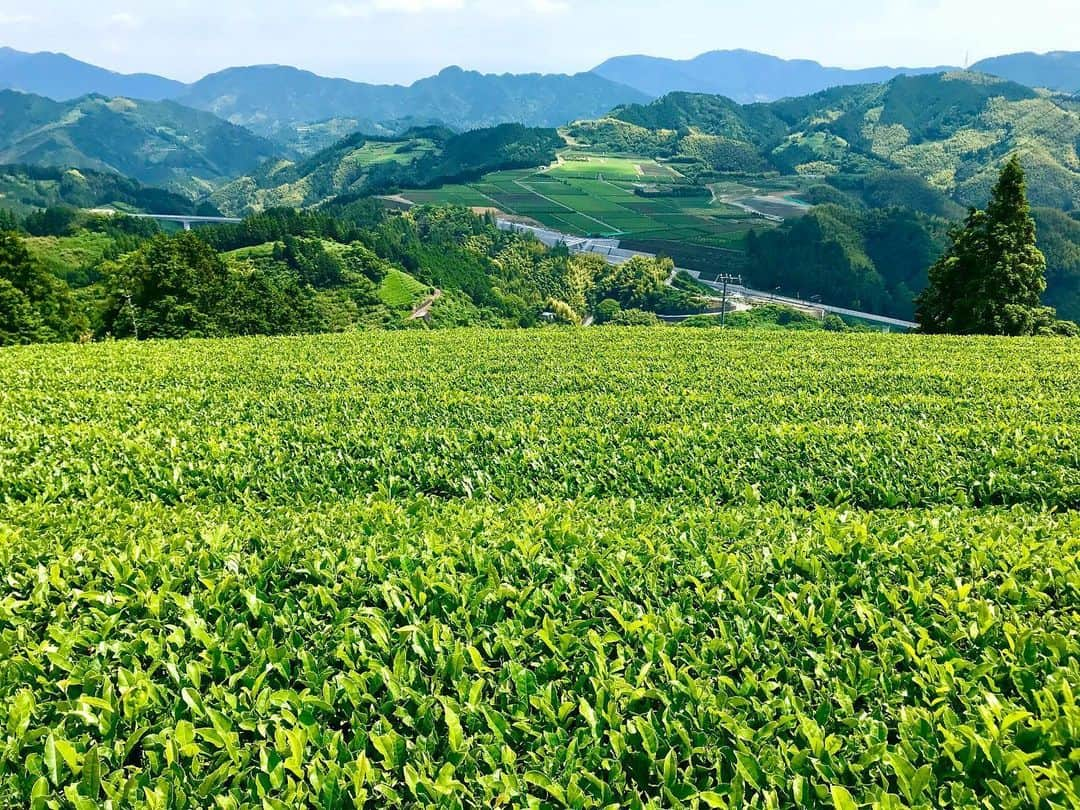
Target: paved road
746,292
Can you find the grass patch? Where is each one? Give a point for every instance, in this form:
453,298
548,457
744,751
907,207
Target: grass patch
399,290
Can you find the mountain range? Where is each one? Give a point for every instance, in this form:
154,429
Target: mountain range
1057,70
62,78
304,112
747,76
279,134
743,76
274,100
932,143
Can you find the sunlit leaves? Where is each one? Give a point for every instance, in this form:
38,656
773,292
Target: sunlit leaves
690,572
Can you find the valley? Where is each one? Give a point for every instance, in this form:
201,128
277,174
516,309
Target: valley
638,201
844,196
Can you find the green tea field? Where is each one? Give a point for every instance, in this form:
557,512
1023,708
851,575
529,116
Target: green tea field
595,568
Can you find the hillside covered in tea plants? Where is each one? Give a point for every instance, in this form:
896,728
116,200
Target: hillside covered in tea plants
558,568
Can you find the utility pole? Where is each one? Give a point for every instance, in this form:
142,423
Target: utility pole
131,311
726,279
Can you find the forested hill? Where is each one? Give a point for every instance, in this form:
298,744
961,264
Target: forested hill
364,164
24,189
953,130
158,143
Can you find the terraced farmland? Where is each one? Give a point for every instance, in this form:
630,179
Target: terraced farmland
585,568
594,195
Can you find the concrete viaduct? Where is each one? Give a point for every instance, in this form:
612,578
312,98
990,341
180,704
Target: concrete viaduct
187,221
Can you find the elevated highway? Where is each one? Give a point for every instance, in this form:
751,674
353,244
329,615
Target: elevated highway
610,250
188,221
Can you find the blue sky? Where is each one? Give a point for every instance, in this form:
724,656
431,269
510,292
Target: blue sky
401,40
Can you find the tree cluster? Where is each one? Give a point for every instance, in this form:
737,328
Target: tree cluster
285,272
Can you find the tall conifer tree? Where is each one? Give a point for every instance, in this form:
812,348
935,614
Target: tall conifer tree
991,279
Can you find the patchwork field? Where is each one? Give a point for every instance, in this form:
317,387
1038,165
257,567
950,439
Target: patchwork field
588,568
594,195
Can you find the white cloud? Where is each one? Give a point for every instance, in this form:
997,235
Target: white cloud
549,6
124,19
497,8
393,7
15,19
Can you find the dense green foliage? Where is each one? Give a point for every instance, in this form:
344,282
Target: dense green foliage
712,115
897,189
991,279
770,317
175,287
1059,241
35,306
698,155
953,131
878,258
873,260
159,143
351,265
585,568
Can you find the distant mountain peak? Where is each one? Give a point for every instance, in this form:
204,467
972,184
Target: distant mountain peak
62,77
743,75
1056,70
276,104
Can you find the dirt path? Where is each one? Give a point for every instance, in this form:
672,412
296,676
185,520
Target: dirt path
424,310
